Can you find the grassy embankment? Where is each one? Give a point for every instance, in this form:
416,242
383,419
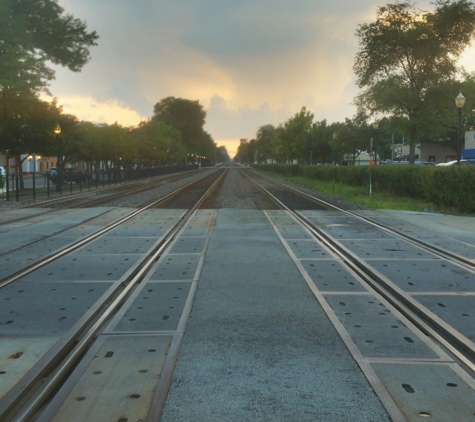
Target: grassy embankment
361,195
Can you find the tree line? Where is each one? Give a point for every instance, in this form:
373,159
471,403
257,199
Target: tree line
35,33
407,70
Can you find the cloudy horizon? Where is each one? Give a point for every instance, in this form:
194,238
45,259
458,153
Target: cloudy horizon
248,63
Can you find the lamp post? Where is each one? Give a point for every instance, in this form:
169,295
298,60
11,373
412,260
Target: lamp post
57,131
375,127
459,102
35,157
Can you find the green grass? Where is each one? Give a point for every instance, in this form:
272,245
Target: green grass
361,196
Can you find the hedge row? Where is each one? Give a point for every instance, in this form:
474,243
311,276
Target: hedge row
452,187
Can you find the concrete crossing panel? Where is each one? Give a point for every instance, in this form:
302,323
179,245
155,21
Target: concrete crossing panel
427,276
375,330
176,267
158,307
76,267
45,308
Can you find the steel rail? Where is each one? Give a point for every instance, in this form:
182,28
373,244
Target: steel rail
62,370
431,248
457,344
53,257
125,189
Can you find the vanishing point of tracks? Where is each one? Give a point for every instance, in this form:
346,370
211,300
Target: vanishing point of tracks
384,260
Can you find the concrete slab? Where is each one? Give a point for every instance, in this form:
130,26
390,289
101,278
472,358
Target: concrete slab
176,267
157,307
433,392
427,276
457,227
154,223
43,247
189,245
22,236
258,346
200,224
7,215
77,267
331,275
375,330
118,383
456,310
45,308
386,249
308,249
118,246
343,227
11,263
18,356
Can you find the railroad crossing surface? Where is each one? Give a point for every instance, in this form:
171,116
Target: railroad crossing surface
244,317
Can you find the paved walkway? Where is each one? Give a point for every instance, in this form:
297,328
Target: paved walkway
258,346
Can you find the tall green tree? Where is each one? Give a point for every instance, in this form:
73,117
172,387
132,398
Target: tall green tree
353,137
264,142
406,54
34,33
158,143
290,137
188,117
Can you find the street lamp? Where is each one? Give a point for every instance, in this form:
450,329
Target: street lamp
57,131
459,102
375,127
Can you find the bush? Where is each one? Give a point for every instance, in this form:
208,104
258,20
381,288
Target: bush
451,187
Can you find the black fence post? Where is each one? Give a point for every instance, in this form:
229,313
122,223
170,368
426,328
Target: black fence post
17,188
34,186
8,186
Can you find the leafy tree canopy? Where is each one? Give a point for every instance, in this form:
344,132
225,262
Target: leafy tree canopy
406,54
185,115
33,32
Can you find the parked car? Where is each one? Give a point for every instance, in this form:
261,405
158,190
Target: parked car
417,162
454,163
68,175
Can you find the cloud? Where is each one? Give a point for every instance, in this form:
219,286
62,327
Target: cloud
89,109
248,62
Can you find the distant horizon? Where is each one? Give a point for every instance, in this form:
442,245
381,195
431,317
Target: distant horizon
247,64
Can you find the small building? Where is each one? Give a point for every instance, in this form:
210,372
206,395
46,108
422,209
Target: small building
469,147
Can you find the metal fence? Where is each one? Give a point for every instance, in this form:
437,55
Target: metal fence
23,187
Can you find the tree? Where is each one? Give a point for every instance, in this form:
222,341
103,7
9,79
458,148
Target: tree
34,32
158,143
353,137
406,54
264,142
26,125
222,155
290,137
246,151
188,117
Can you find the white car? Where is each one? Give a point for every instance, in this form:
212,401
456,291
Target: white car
454,163
3,172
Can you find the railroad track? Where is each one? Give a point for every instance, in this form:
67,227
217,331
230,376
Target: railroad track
453,336
23,399
108,194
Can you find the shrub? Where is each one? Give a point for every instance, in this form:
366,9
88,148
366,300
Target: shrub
452,187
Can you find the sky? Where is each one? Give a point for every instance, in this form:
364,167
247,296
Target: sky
248,62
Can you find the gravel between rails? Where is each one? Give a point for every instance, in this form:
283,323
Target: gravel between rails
335,200
234,193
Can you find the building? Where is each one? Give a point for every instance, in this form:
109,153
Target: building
469,148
